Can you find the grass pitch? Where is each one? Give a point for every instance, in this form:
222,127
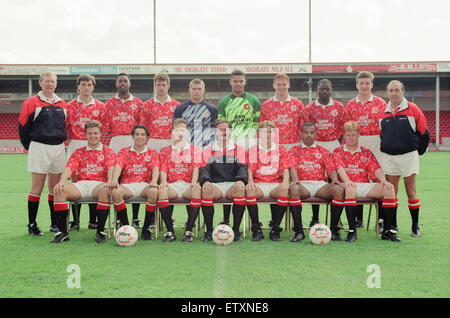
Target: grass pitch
418,267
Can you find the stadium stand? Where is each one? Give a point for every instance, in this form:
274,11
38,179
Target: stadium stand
444,124
9,127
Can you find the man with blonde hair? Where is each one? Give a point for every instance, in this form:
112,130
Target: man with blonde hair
200,116
356,166
42,132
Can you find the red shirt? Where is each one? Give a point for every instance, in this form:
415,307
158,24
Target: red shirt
92,164
158,117
137,167
180,165
312,162
366,115
78,114
329,119
286,116
268,166
359,165
122,116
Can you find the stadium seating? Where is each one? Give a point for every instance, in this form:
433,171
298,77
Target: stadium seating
9,126
444,123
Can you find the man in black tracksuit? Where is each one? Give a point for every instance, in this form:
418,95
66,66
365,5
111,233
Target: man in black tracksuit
224,174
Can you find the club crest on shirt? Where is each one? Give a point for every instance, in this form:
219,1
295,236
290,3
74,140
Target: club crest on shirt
246,106
293,108
147,158
172,108
334,113
101,157
363,159
133,106
318,155
375,110
205,114
95,113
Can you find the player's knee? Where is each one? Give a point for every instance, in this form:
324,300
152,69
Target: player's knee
338,192
117,195
350,193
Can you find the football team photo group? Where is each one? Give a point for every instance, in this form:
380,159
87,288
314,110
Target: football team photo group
242,151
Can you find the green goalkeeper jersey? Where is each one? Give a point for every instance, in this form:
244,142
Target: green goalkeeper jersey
242,112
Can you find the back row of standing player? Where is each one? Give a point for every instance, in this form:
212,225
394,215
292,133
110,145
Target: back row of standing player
240,108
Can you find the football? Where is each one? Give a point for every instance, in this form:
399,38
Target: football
126,236
223,235
319,234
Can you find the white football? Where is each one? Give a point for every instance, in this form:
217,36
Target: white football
223,235
319,234
126,235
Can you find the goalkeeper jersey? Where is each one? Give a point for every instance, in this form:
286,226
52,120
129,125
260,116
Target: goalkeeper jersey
242,112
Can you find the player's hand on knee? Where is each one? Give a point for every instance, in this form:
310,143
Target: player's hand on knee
59,188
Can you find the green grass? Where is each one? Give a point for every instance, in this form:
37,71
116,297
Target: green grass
417,267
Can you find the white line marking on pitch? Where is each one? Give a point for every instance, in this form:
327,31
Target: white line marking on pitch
219,282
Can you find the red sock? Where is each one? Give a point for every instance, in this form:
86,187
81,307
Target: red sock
163,203
60,206
283,201
251,200
350,202
150,207
338,202
207,202
120,206
195,203
239,200
295,201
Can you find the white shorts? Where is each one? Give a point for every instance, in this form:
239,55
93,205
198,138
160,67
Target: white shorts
362,188
267,187
329,145
223,187
372,143
135,188
158,144
180,187
119,142
43,158
313,186
86,187
289,146
245,142
74,145
403,165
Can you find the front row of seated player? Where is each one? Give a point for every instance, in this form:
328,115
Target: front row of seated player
221,170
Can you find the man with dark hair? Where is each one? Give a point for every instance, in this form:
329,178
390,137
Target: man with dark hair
328,116
123,114
42,132
224,174
365,109
312,166
79,111
138,169
157,113
94,165
242,111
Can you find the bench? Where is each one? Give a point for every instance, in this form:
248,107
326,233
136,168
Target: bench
246,220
